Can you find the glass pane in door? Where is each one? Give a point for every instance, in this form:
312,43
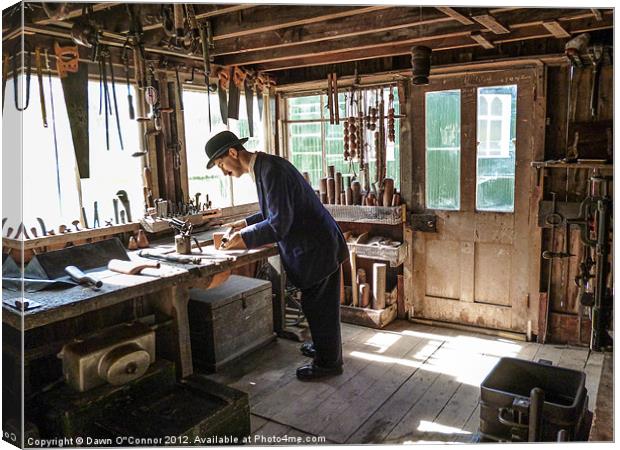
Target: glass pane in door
496,137
443,149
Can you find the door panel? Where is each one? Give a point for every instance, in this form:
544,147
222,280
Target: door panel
475,268
492,274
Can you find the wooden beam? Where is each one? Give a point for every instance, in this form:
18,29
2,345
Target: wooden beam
556,29
76,12
597,14
386,20
410,35
437,43
455,15
208,11
491,23
480,39
264,19
374,43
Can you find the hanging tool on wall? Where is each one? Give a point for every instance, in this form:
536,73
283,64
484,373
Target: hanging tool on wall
74,80
113,81
237,76
115,206
335,98
179,88
191,39
259,85
38,64
104,93
125,60
207,45
249,102
27,69
596,56
391,116
84,32
122,196
222,85
49,79
135,33
330,97
96,223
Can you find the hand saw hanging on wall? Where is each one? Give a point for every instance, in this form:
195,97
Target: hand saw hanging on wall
222,85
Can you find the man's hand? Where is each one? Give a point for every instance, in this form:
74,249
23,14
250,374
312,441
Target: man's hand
237,225
235,242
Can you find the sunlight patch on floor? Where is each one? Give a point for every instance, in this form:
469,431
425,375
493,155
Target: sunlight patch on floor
383,341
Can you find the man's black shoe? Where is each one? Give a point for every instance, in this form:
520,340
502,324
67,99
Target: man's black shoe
307,349
311,372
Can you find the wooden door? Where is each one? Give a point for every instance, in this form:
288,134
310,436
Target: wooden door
480,266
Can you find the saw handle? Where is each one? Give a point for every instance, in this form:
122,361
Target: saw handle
80,277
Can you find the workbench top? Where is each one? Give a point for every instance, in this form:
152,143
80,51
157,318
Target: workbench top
54,305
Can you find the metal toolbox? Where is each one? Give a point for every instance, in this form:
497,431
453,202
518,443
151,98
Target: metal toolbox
505,400
230,321
116,355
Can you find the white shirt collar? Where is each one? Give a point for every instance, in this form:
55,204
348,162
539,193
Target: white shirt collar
252,162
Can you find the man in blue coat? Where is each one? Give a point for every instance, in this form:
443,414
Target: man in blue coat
311,245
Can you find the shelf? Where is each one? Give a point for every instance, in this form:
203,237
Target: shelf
381,215
366,317
580,164
393,255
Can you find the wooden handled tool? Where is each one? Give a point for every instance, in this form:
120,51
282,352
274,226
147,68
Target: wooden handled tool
354,287
80,277
131,267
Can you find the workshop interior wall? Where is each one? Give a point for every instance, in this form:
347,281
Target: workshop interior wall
569,185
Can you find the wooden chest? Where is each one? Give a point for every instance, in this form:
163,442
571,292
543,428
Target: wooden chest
229,321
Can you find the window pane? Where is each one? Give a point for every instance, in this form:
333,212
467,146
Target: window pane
110,170
443,149
304,145
244,189
211,182
304,108
495,177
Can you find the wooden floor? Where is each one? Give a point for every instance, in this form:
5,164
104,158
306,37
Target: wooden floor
407,383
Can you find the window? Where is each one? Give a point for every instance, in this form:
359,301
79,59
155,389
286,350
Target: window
314,143
495,168
110,170
443,149
494,113
223,191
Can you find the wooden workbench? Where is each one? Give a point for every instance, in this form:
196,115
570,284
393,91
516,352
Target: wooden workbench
171,282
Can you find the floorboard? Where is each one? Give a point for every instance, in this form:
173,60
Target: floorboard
407,383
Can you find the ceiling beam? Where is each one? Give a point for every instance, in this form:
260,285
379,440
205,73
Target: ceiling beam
452,13
385,20
491,23
76,11
556,29
410,35
208,11
373,42
437,43
480,39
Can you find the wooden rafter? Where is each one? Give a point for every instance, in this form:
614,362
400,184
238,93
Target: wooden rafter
491,23
597,14
386,20
450,12
556,29
76,12
376,41
207,11
437,43
480,39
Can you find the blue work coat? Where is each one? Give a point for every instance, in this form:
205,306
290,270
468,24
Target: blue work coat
310,242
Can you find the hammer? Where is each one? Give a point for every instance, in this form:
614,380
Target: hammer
122,196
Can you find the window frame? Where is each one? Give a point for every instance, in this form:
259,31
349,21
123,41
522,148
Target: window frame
285,121
215,110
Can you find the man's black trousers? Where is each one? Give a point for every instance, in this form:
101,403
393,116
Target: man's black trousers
320,304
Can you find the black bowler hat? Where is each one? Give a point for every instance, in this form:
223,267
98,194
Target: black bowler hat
219,144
